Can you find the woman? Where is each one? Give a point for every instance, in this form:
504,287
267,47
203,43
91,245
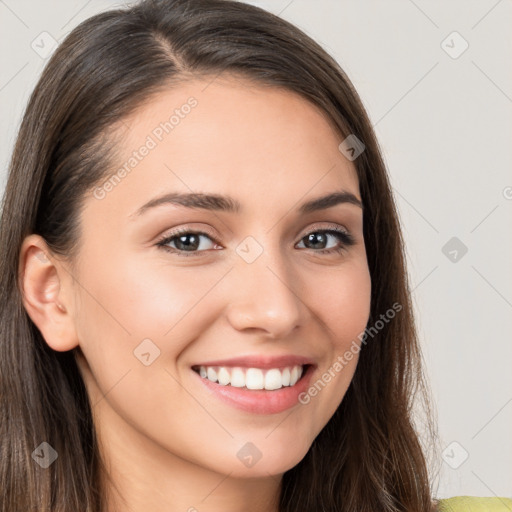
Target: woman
196,313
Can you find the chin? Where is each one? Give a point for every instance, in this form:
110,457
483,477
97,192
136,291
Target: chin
271,462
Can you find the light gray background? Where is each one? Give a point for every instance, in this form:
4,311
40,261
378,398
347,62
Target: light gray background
445,127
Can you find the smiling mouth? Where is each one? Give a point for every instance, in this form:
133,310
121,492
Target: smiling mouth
253,378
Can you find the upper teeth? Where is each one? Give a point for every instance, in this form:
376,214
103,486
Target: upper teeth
252,378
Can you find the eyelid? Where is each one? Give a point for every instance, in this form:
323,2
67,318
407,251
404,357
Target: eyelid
323,227
190,229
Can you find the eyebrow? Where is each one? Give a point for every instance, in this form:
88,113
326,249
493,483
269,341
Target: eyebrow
216,202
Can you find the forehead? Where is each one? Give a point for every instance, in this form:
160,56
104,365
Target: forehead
260,144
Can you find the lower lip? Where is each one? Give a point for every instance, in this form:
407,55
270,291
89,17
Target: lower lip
260,401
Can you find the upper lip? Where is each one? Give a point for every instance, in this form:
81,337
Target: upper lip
260,361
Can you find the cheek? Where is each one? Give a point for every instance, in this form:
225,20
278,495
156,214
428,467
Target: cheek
132,313
142,298
126,302
342,298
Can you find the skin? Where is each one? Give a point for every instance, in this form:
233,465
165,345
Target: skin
169,444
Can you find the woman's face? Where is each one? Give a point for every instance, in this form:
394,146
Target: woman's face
252,284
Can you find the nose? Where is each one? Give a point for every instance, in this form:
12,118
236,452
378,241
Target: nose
265,296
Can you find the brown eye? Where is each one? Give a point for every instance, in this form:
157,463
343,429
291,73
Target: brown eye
186,241
316,240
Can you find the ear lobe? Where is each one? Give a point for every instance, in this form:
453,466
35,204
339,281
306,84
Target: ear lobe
40,281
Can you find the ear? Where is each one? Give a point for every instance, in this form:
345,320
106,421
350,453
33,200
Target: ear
45,286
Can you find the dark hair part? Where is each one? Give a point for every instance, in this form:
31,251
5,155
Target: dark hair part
370,455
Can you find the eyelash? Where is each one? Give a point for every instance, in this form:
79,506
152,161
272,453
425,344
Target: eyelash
346,239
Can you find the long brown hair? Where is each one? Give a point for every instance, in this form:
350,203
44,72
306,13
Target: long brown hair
371,455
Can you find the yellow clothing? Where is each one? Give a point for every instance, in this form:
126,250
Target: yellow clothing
475,504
